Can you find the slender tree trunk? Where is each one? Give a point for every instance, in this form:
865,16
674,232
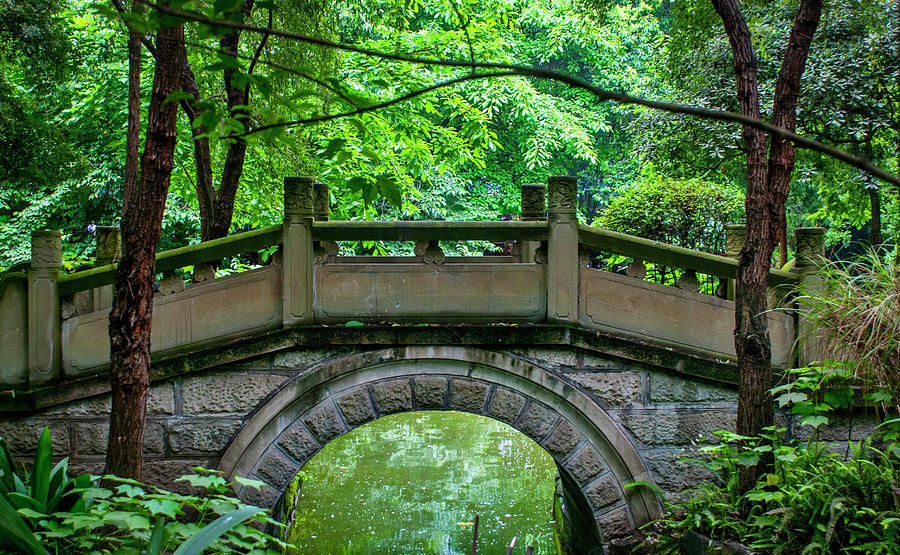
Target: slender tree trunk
875,222
751,334
767,189
130,319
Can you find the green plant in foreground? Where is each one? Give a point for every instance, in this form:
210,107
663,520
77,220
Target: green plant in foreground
43,511
818,499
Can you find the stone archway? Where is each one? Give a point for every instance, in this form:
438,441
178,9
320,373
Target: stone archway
342,393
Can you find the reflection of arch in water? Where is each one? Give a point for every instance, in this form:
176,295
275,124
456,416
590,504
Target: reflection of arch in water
594,455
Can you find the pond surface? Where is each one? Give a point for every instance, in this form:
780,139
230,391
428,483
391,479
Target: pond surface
412,483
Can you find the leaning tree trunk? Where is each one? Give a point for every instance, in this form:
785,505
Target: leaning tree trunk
130,319
767,189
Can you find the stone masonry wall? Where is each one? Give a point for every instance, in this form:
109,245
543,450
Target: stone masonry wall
189,419
192,418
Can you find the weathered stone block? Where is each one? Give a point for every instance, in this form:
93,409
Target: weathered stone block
162,399
393,395
585,465
93,406
299,443
674,474
92,438
276,469
299,360
430,392
506,405
550,357
22,436
665,388
468,395
163,472
265,497
613,388
594,362
615,524
672,427
356,406
207,436
603,492
324,423
536,421
227,393
561,440
79,467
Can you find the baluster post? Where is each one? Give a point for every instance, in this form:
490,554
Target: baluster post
734,242
109,250
297,268
562,250
809,251
43,307
534,209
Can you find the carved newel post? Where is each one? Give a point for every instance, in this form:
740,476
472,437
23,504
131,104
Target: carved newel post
562,250
109,250
734,242
534,208
297,267
43,307
809,253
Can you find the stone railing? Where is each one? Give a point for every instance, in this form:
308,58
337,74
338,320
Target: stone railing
54,327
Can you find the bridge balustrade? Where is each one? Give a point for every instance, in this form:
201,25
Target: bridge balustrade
53,326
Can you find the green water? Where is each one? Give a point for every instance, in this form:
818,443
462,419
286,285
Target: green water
412,483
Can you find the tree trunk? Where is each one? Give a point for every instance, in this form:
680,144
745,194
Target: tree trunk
767,187
130,319
751,334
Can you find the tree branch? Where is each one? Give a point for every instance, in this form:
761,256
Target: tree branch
621,98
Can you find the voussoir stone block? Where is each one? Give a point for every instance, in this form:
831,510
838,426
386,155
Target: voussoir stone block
506,405
536,421
676,389
356,406
393,395
586,464
208,436
561,440
298,442
468,395
614,524
430,392
264,497
603,492
227,393
613,388
669,427
276,469
324,422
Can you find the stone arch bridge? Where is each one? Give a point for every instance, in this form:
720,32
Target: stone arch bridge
254,371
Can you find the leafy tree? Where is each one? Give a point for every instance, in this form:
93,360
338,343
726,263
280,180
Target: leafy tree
768,178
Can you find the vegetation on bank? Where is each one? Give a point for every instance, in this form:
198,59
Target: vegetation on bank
835,484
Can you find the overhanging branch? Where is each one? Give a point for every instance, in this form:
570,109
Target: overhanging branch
510,69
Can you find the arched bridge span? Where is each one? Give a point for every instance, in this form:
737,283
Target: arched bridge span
315,407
